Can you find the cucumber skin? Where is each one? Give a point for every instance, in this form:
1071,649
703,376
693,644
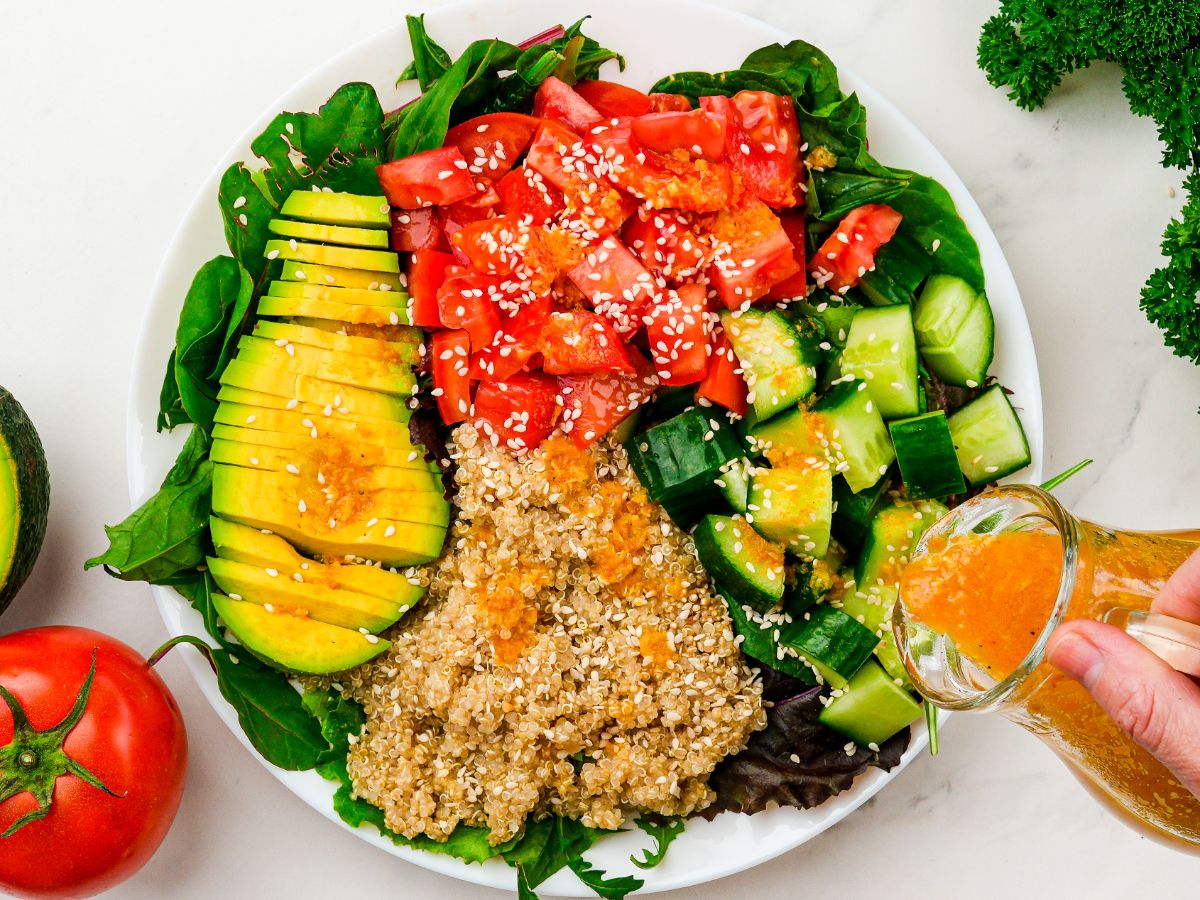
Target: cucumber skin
759,643
962,419
853,512
759,594
835,643
873,709
925,454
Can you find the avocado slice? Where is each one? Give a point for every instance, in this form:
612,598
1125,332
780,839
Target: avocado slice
399,413
294,422
332,481
378,296
347,235
338,312
243,544
269,586
393,333
334,276
294,643
308,389
406,352
242,447
379,359
355,210
326,255
24,497
340,368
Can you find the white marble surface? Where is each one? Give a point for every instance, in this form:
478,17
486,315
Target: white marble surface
114,115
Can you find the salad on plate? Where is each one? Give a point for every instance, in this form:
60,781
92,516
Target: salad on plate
556,446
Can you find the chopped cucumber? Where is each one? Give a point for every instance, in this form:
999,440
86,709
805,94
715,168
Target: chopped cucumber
871,708
955,331
900,266
852,513
744,564
779,365
926,456
988,438
734,483
760,641
797,435
810,580
835,644
679,461
893,534
873,607
792,506
881,349
858,440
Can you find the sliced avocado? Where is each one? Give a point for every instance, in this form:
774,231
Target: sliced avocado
337,312
241,447
378,296
399,413
333,276
393,333
405,352
340,368
243,544
293,422
310,474
330,234
308,389
295,643
340,257
374,357
24,497
354,210
341,607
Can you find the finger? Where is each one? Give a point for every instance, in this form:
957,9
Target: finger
1155,705
1180,596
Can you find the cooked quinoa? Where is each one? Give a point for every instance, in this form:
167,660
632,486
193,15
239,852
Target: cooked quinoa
570,658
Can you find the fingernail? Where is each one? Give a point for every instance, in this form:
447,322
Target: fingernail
1075,655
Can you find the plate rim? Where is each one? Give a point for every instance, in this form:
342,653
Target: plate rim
172,608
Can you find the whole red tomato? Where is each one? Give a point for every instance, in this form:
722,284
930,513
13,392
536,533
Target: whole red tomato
102,756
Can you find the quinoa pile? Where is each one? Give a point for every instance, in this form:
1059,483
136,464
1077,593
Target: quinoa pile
570,658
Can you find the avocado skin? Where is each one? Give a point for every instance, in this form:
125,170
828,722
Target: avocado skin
33,494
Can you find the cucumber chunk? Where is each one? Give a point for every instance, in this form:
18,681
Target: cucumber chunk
988,438
873,608
835,644
891,537
778,363
852,513
734,483
926,456
793,506
871,709
955,331
858,441
744,564
759,641
881,349
809,580
900,266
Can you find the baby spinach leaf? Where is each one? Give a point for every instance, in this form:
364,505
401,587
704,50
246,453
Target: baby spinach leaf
246,210
168,534
198,590
430,59
664,829
808,73
339,719
556,843
932,220
170,405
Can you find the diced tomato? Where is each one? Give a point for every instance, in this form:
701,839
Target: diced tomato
669,103
753,253
492,246
558,101
581,343
615,283
593,405
699,132
550,152
478,206
432,178
519,413
527,196
662,181
796,285
515,343
416,229
451,383
723,383
492,144
664,241
677,330
611,99
426,274
763,144
467,302
849,253
564,160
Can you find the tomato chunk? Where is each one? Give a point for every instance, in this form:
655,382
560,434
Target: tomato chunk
763,144
479,205
451,383
563,159
492,246
466,302
753,253
669,103
677,329
849,252
527,196
796,285
416,229
557,100
611,99
698,132
426,275
615,283
432,178
723,383
581,343
665,242
518,413
514,344
492,144
593,405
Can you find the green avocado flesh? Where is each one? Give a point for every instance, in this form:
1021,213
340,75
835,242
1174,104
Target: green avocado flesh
24,497
319,490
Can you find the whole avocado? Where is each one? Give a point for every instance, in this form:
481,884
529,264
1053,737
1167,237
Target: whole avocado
24,497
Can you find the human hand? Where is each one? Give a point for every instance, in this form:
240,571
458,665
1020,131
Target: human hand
1154,704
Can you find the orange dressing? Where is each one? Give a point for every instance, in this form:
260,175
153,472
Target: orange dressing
994,594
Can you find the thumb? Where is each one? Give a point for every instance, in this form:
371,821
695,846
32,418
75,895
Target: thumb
1152,703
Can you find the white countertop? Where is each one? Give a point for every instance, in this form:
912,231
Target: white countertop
114,114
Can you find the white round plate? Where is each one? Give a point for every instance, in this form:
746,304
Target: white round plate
700,37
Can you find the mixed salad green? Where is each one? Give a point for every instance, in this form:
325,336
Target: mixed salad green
843,417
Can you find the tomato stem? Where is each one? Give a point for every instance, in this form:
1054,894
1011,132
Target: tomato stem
196,642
